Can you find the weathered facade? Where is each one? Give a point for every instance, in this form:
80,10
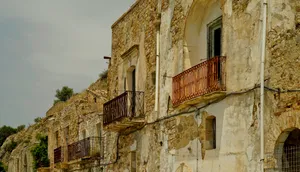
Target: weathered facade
75,139
208,85
183,92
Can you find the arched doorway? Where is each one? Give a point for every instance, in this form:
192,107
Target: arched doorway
287,151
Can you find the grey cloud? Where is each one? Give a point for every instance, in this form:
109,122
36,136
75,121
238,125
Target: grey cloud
45,45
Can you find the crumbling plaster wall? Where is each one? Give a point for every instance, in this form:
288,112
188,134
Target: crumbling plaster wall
241,38
176,140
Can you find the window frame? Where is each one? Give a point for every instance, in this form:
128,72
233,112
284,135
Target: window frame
211,27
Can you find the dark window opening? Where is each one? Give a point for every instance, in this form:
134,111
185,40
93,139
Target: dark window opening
214,38
291,152
217,42
215,46
133,91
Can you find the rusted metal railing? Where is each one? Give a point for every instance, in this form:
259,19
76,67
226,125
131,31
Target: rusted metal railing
92,147
204,78
129,104
58,156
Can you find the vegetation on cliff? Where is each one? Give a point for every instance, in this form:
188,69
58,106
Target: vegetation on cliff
40,153
5,132
103,75
64,94
3,168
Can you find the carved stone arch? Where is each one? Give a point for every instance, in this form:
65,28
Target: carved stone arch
280,143
287,150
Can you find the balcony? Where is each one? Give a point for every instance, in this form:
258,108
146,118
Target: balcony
58,156
201,83
124,112
89,148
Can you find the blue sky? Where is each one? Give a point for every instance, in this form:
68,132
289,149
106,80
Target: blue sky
45,45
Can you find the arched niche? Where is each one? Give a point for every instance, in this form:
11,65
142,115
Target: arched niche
202,14
287,150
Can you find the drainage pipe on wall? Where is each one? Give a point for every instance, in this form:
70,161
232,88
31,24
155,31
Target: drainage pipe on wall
262,85
157,61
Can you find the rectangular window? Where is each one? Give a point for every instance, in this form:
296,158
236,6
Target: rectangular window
210,127
214,38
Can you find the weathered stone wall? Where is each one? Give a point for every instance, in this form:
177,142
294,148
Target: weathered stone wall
177,144
82,112
283,53
136,27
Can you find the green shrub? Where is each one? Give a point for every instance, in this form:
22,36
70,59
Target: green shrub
37,119
20,128
56,101
3,168
40,153
103,75
6,131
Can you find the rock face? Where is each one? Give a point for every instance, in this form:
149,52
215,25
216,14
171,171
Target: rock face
77,114
20,158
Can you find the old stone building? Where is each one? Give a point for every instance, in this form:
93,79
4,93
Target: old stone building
183,93
75,137
184,87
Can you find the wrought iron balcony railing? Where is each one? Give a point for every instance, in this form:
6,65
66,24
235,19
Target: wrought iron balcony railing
58,156
204,78
92,147
129,104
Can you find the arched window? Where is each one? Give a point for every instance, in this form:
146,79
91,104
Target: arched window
210,127
291,152
286,156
